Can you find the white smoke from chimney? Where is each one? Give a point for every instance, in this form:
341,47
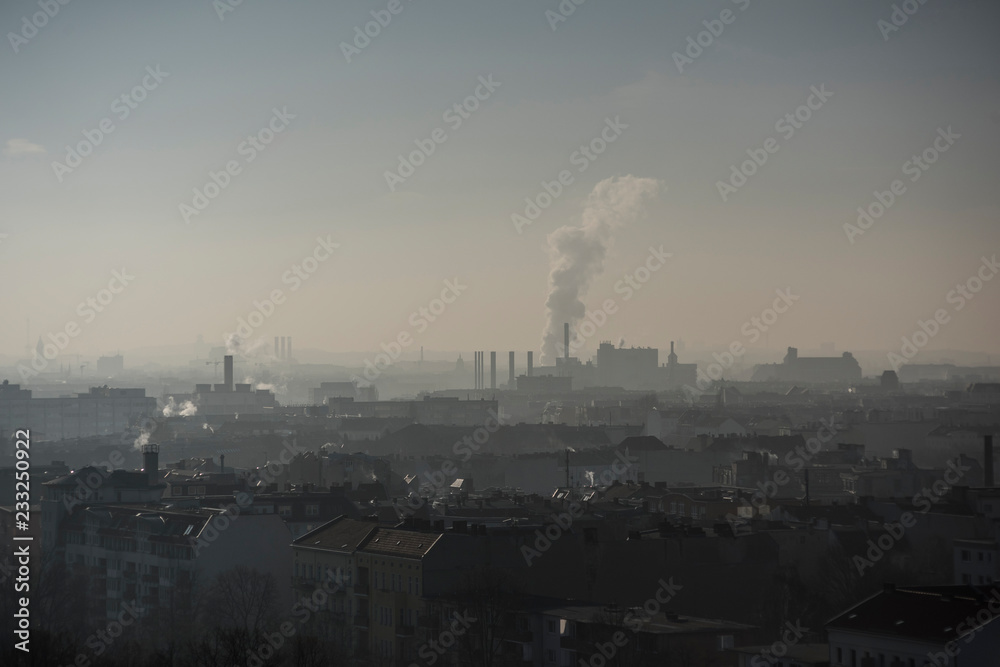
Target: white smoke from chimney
185,409
577,254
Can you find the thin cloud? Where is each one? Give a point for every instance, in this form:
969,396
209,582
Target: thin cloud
18,147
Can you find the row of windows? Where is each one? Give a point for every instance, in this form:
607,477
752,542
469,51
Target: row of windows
396,583
854,659
981,556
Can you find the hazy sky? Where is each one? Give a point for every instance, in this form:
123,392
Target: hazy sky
323,176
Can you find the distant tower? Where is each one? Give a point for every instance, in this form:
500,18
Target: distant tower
566,341
421,355
493,370
282,355
459,365
510,372
672,358
40,348
277,351
288,352
531,363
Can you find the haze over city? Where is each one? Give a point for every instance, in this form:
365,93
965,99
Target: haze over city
550,333
324,176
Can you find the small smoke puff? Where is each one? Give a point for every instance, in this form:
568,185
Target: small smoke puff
185,409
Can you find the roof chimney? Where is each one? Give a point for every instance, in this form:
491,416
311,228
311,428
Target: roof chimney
988,460
151,461
228,359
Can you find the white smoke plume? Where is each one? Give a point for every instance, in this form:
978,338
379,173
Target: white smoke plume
142,440
185,409
578,254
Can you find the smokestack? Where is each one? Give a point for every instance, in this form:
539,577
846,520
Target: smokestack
228,378
530,362
276,353
566,341
282,356
222,463
988,461
493,370
567,465
289,350
151,462
510,371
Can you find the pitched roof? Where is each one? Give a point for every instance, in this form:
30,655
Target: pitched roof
341,534
392,542
928,613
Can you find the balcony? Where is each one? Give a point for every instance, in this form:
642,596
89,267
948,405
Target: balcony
361,620
521,636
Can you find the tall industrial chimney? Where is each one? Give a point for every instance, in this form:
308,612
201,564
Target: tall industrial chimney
566,341
530,362
276,351
988,461
228,365
510,371
282,356
493,370
289,350
222,463
151,462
